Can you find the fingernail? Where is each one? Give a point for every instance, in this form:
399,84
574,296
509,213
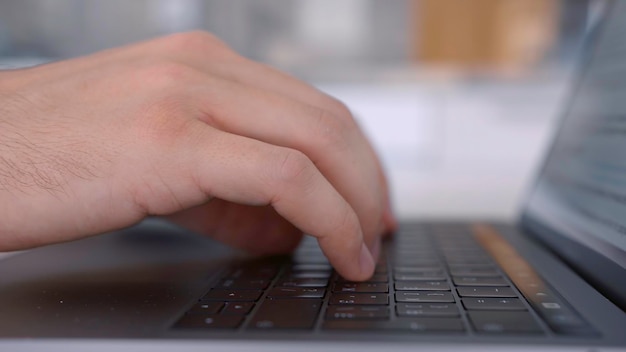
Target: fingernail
366,261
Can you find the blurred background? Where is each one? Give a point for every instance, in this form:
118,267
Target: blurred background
459,97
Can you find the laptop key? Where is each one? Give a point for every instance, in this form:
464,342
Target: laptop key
485,291
427,310
310,259
425,276
478,281
311,267
416,269
422,286
361,287
404,257
424,296
426,325
308,274
296,292
302,283
206,308
357,312
471,303
375,278
359,299
455,261
232,295
485,271
286,314
211,321
244,283
237,308
503,322
406,262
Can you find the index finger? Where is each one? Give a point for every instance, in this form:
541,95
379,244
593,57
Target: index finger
252,172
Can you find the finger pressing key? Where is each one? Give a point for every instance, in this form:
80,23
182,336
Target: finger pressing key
289,181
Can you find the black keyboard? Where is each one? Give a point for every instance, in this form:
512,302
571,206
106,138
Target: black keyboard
450,279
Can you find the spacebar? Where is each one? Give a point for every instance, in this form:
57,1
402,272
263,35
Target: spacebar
286,314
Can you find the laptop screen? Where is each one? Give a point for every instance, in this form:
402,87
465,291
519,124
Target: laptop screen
580,195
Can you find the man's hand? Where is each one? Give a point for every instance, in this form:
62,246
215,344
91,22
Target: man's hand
185,128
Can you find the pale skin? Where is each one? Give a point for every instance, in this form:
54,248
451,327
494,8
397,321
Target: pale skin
183,127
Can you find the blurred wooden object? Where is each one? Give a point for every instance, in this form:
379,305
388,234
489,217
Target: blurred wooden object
484,34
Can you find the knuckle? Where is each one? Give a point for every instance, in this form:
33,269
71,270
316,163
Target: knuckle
341,108
168,108
162,121
330,132
166,75
160,115
294,167
195,41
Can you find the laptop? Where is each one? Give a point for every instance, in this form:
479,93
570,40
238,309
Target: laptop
556,280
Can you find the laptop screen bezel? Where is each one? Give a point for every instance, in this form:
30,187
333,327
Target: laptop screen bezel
603,273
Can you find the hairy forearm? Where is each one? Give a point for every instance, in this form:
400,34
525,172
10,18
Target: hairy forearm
41,168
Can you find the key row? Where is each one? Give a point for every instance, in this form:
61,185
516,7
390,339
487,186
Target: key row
302,314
